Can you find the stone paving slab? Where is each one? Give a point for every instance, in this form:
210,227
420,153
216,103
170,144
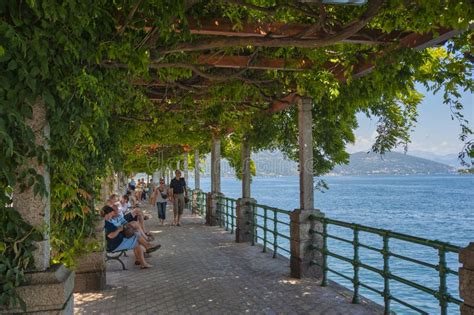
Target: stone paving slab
201,270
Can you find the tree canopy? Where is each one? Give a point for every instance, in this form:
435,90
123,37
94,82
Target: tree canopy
127,83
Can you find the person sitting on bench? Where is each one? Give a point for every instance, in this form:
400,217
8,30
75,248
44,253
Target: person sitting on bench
116,240
130,215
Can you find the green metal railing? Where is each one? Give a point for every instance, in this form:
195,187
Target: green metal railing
441,294
271,228
227,213
200,201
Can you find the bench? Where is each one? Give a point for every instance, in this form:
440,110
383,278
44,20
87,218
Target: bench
116,256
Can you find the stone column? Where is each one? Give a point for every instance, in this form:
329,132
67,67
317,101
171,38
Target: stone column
305,139
305,261
466,279
197,179
185,167
197,183
48,289
156,177
216,164
246,176
245,205
122,183
215,179
90,268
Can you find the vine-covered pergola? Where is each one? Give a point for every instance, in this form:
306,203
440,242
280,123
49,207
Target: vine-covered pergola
89,90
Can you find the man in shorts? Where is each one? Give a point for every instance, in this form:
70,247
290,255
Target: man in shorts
178,193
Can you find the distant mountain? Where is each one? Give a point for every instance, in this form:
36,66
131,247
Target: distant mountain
449,159
275,164
267,163
362,163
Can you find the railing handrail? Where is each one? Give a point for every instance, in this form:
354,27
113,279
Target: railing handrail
273,209
381,232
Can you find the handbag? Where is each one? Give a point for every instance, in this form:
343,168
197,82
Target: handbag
128,231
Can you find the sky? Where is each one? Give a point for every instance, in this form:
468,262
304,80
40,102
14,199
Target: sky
434,132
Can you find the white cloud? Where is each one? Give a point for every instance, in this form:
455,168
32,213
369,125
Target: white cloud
362,143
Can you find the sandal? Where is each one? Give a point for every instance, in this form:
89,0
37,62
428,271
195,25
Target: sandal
153,248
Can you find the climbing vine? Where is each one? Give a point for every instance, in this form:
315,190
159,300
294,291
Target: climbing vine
121,95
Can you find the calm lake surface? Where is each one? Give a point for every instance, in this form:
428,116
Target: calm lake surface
433,207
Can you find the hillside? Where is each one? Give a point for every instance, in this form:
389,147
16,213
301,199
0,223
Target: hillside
362,163
274,164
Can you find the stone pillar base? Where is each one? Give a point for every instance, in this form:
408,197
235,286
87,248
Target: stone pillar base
467,310
48,292
214,218
243,231
90,268
466,279
194,201
303,257
90,273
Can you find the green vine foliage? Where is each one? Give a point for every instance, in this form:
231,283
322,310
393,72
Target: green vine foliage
113,105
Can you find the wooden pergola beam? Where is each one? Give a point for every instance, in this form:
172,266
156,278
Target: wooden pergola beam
241,62
414,41
224,27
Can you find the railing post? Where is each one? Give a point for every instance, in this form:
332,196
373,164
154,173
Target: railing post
356,298
386,273
243,231
305,260
443,303
466,279
232,215
324,281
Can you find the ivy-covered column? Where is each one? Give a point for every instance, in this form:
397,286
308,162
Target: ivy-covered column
91,267
245,205
215,180
48,289
122,183
305,261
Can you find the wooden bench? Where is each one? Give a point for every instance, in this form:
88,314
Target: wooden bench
116,256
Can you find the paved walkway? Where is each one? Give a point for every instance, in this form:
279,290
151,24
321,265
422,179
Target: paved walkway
201,270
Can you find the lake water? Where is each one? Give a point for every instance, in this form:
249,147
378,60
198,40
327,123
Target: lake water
433,207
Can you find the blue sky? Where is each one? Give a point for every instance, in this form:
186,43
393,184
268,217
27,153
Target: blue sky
435,132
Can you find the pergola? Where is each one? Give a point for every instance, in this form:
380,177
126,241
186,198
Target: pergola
270,47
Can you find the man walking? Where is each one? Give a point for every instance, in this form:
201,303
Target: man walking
178,192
